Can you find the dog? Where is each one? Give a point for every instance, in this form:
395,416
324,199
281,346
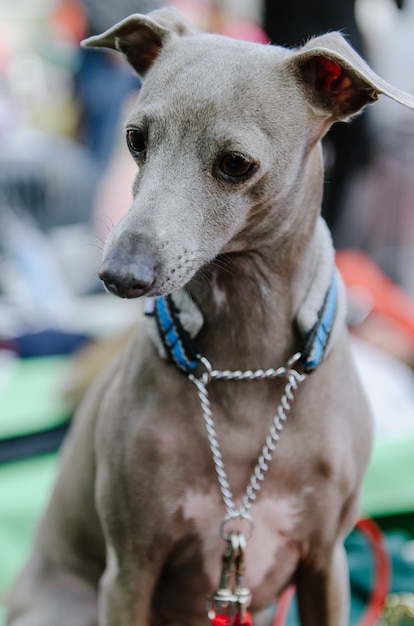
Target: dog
175,484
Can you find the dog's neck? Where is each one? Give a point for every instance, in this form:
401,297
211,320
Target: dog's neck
251,314
245,308
255,312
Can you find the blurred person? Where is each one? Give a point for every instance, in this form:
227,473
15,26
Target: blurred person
103,80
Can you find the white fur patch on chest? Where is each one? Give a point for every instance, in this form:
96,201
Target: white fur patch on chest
219,294
276,523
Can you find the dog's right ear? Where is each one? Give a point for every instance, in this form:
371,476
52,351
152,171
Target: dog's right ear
141,37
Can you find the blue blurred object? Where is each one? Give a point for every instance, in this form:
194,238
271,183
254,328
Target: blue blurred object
103,82
47,342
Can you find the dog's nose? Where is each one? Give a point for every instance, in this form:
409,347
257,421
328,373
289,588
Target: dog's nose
127,284
128,270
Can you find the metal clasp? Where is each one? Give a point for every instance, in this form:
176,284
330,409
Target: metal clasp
233,515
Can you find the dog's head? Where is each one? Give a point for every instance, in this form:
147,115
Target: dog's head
225,135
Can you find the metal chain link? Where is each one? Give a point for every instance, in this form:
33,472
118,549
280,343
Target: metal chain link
256,479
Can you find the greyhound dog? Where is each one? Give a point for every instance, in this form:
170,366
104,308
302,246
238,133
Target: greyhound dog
218,459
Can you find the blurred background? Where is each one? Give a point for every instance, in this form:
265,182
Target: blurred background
65,179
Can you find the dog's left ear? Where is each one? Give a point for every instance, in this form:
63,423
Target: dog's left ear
141,37
337,80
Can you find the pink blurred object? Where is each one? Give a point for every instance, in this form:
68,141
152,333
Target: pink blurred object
204,16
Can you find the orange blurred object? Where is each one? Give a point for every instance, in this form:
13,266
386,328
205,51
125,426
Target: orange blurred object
387,299
68,20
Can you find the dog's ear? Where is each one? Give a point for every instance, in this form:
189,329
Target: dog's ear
337,79
141,37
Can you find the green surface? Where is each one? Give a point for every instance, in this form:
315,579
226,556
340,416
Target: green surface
32,399
388,487
24,487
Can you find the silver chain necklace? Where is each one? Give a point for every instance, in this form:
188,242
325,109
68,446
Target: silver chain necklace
293,378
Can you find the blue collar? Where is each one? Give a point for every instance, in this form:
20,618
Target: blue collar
182,351
178,344
316,340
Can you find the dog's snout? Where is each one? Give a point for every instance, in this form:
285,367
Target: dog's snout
126,284
128,270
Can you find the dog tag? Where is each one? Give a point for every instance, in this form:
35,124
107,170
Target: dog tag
225,607
222,604
242,593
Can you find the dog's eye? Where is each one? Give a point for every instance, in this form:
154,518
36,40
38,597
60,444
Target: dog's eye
236,165
136,141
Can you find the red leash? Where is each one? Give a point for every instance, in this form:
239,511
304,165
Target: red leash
283,606
382,569
380,591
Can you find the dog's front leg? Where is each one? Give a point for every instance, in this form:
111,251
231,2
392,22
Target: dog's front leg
323,592
125,598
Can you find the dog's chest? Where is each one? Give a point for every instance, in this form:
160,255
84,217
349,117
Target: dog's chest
277,528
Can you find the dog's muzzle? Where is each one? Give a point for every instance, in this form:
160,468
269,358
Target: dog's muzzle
128,269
